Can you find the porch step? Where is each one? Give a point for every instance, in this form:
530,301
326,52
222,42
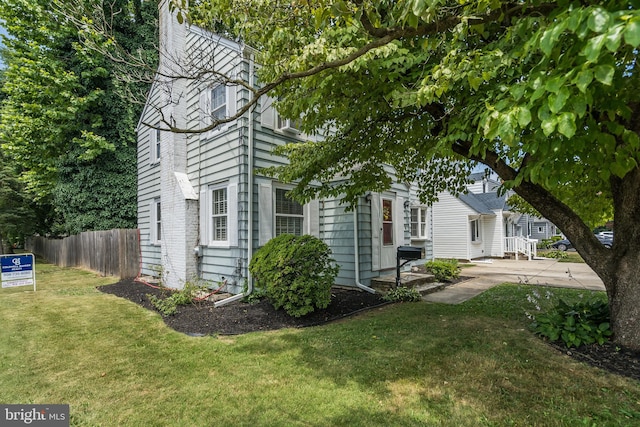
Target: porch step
420,281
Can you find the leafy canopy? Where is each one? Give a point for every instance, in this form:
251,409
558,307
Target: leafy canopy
545,90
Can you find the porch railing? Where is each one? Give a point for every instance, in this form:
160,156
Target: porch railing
521,245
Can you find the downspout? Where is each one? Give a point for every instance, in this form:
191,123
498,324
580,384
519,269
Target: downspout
249,197
356,251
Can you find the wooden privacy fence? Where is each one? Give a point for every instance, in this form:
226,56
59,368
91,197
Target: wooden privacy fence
110,253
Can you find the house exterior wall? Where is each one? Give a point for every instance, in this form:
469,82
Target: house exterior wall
494,232
148,191
451,232
194,166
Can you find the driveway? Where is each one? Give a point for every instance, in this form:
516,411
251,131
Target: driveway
545,272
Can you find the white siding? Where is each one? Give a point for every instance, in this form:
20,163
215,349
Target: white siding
451,233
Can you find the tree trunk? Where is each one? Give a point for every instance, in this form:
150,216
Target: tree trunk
624,303
619,266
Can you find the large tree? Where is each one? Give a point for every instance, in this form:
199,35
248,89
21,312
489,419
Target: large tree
65,121
544,93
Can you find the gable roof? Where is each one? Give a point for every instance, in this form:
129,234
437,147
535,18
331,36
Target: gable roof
485,203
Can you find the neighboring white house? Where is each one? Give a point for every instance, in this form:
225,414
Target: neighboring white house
203,207
481,224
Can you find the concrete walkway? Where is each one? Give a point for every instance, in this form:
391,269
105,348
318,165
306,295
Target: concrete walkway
492,272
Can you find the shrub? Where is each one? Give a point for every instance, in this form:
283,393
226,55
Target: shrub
168,306
557,254
584,322
296,272
444,270
402,293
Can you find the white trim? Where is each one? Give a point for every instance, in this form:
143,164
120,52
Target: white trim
422,220
154,222
155,139
206,216
230,107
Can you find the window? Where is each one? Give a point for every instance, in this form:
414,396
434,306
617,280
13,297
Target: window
218,102
219,215
155,144
387,222
219,210
156,222
289,217
419,223
540,229
475,230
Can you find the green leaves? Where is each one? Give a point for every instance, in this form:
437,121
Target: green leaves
632,32
604,74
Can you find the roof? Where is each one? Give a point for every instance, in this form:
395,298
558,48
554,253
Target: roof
485,203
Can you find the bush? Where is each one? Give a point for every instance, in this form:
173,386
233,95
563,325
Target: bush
557,254
546,243
402,293
584,322
296,272
444,270
169,306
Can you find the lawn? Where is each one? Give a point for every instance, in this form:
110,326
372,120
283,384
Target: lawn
411,364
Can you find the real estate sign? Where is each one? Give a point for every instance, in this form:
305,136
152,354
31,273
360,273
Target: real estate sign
18,270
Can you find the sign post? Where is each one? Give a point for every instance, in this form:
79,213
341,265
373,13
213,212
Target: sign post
18,270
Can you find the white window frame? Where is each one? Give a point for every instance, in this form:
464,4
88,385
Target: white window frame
207,215
214,216
220,111
474,228
155,225
276,214
226,97
420,224
155,138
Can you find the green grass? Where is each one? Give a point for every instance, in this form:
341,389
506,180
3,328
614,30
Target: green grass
411,364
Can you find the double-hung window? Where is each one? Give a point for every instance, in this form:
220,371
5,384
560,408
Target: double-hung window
289,214
419,222
218,102
219,211
219,215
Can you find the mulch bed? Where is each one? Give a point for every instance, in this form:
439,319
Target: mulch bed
201,318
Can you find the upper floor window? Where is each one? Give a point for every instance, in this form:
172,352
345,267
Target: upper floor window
419,222
218,102
289,214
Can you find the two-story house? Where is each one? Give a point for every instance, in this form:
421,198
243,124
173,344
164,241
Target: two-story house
204,208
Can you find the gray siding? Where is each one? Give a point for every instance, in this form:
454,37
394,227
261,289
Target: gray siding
148,189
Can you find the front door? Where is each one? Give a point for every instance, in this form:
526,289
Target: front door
388,236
